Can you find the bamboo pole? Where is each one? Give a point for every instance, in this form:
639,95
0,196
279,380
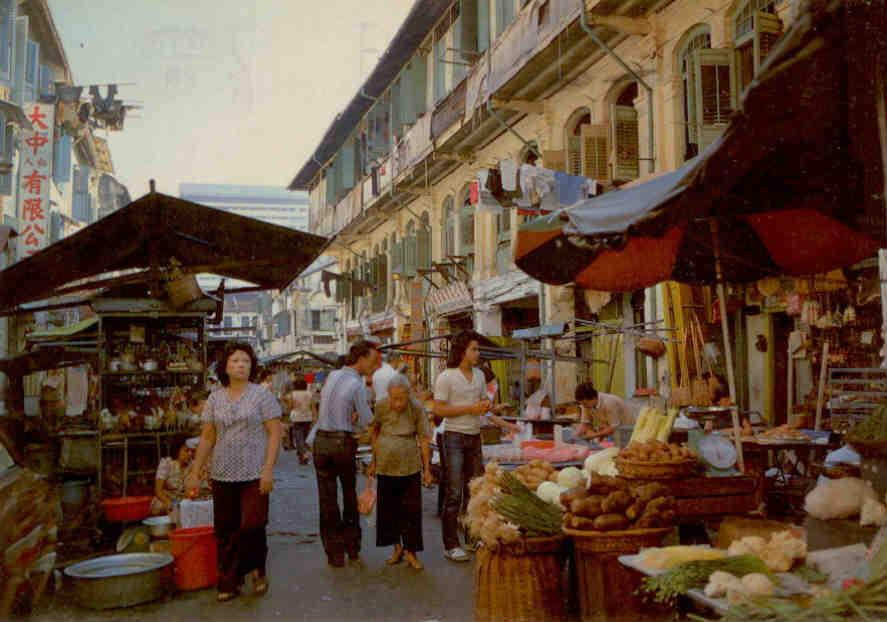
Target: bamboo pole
728,348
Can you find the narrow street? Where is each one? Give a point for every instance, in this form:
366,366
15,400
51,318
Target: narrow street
303,587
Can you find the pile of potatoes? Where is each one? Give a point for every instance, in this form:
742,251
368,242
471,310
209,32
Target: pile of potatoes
615,504
656,451
534,473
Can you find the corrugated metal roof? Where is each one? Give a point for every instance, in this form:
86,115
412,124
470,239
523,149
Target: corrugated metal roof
421,19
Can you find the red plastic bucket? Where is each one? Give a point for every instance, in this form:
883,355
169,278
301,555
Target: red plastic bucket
196,559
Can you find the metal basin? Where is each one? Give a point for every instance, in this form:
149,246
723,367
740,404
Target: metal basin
121,580
159,526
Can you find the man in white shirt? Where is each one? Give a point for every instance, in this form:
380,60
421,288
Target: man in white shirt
460,398
384,375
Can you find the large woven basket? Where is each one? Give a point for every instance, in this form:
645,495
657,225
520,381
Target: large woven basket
621,542
631,469
607,590
521,582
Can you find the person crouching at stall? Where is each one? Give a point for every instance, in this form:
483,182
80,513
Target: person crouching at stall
400,434
169,483
241,429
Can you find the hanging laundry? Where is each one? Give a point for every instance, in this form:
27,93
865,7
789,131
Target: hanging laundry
77,390
486,201
570,188
474,193
590,189
508,169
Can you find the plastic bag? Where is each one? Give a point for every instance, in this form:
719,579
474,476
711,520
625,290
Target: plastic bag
367,499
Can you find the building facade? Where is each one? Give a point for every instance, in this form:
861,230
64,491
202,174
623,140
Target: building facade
265,203
623,91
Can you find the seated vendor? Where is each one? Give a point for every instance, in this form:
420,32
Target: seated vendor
601,413
169,483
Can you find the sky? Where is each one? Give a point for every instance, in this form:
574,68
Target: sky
233,92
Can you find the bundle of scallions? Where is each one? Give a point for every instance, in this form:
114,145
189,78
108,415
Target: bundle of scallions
519,505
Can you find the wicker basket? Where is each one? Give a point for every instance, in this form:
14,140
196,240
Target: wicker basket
608,590
631,469
521,582
621,542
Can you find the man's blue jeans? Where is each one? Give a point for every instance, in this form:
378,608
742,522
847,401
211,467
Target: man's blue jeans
464,461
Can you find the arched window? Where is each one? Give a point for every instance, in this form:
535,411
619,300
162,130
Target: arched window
587,146
756,29
624,130
573,139
698,38
466,229
448,242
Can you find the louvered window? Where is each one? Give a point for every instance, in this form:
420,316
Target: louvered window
697,39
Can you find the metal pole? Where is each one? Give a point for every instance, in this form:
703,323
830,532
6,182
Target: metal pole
728,349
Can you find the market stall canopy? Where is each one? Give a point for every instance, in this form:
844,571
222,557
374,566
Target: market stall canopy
795,183
152,231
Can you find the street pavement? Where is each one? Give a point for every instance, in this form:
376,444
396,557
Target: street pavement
303,587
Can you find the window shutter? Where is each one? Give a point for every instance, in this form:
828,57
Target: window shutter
768,29
468,42
331,183
504,15
595,152
20,58
47,84
423,239
574,155
32,70
347,165
483,25
410,255
440,88
625,131
7,145
715,89
7,39
459,70
61,167
466,229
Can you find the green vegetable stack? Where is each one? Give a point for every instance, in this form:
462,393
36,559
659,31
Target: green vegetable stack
519,505
666,587
874,428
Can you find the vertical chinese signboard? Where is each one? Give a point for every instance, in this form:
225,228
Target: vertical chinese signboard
35,173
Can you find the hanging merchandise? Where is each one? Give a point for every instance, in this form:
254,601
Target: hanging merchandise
794,304
474,193
508,170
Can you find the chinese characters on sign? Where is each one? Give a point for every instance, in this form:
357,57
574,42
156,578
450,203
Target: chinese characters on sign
35,171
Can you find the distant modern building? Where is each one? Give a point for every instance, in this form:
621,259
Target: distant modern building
272,204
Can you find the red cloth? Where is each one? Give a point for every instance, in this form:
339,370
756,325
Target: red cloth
474,193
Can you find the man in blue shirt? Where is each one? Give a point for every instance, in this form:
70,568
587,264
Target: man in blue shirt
344,407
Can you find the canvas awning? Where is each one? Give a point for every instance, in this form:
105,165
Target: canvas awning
152,231
795,184
64,331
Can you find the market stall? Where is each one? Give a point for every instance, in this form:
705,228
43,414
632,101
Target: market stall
127,393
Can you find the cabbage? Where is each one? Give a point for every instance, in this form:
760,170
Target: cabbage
570,478
551,493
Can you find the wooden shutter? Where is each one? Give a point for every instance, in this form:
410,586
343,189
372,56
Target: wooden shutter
627,148
423,240
466,230
7,39
20,58
574,155
397,259
468,41
768,29
715,89
331,183
7,146
32,69
347,165
411,252
595,152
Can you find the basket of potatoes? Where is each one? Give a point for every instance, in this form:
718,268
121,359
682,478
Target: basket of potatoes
655,460
614,514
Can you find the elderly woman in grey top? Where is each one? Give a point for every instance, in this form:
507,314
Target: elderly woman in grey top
400,434
241,430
